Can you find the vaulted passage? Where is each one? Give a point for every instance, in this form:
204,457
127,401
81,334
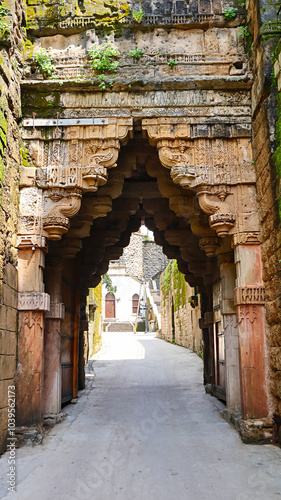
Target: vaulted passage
173,129
89,214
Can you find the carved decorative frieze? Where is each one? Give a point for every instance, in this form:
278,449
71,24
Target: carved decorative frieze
249,295
57,311
33,301
249,238
247,312
56,222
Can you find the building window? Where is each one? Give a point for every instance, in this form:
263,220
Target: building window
110,305
135,303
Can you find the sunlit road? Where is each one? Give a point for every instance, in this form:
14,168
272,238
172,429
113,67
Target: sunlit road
144,429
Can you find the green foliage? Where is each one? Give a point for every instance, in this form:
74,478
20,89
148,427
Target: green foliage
166,282
136,53
243,31
44,62
241,2
5,27
25,158
104,56
230,13
172,63
107,281
104,60
138,15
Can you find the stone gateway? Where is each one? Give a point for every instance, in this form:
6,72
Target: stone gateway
118,113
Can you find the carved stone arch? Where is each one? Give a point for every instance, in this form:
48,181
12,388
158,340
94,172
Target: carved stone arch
217,169
68,162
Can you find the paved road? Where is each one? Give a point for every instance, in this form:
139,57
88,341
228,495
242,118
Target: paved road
145,430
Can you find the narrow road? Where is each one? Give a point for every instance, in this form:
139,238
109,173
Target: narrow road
144,429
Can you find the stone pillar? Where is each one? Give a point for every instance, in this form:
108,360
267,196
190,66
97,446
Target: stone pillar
249,301
51,404
32,302
230,327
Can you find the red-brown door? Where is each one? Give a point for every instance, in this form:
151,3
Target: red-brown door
110,306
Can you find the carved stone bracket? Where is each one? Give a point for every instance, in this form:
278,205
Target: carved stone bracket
57,311
70,248
56,222
249,295
31,241
209,245
221,219
33,301
222,223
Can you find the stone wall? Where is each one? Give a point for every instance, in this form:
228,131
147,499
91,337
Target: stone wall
179,299
154,261
132,257
11,61
142,258
262,18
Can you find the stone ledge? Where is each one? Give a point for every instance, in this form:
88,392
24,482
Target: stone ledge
252,431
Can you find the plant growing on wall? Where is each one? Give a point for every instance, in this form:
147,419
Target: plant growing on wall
107,281
230,13
104,59
44,62
5,28
172,63
138,15
136,53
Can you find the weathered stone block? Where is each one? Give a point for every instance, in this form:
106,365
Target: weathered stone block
275,358
7,366
8,342
11,319
10,296
273,311
10,276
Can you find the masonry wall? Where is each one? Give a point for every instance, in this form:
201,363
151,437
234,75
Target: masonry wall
261,15
175,293
154,261
11,61
143,258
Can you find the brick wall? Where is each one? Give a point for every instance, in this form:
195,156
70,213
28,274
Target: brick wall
10,112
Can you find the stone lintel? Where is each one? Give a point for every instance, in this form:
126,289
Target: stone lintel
33,301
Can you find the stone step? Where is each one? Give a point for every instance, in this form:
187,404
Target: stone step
120,327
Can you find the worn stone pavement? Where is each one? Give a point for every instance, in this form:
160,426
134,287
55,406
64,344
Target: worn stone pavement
144,429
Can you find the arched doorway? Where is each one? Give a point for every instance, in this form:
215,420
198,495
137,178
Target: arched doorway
110,309
135,303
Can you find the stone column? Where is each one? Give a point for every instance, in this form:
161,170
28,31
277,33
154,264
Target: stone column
249,302
51,404
230,326
32,302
